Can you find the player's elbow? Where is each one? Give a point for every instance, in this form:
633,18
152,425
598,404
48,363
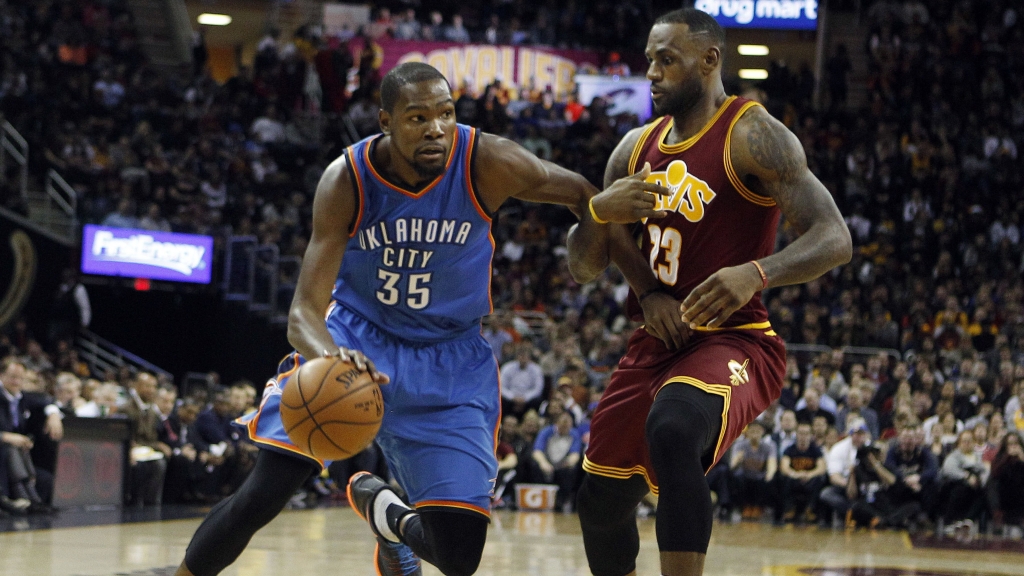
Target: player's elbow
843,246
582,273
586,260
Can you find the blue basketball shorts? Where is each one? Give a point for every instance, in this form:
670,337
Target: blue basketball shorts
441,412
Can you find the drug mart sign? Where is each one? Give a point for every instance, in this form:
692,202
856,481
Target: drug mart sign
776,14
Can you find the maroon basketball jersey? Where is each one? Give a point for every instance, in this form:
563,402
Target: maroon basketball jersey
713,221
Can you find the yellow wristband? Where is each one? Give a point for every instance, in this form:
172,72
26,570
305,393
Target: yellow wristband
593,214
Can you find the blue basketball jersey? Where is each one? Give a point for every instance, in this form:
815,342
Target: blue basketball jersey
418,263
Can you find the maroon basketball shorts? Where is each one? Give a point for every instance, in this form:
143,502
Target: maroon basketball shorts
744,365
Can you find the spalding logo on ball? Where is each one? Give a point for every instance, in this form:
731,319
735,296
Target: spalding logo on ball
330,409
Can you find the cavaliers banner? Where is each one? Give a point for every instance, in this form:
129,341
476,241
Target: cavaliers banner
480,64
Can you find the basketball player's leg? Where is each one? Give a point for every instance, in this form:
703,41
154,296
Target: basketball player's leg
229,526
452,540
716,389
617,468
683,429
606,508
448,482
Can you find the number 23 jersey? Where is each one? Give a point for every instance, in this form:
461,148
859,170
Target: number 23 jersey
714,220
418,263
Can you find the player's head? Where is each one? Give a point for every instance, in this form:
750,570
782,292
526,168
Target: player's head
684,49
418,113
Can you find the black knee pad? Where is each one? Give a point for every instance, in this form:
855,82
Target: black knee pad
682,430
602,503
610,538
684,418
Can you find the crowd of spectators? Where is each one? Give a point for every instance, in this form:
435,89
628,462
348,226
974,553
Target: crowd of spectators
927,173
562,24
181,450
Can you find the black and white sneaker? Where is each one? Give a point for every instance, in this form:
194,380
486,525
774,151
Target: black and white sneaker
370,498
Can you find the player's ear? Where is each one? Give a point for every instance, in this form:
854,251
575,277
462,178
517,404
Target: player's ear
712,58
384,119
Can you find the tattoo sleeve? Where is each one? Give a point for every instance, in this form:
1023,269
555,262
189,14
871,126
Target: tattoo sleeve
773,159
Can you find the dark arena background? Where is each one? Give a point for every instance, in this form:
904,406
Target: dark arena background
158,164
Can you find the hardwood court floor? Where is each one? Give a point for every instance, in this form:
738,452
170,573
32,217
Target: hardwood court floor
335,542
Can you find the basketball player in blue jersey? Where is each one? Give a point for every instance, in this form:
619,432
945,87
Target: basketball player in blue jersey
400,257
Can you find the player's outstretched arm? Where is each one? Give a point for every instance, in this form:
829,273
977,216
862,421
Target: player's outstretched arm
771,161
509,170
334,211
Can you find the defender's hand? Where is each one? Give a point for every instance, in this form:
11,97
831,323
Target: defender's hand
362,363
662,320
724,292
630,199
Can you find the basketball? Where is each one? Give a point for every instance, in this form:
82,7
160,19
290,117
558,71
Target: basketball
330,409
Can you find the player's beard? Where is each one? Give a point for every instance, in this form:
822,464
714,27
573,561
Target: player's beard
681,100
428,170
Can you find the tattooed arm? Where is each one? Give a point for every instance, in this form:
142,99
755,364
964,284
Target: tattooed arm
771,161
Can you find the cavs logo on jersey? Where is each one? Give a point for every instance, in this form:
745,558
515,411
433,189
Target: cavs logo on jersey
688,194
738,372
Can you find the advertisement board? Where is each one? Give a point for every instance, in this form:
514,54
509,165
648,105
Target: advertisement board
624,95
145,254
769,14
480,64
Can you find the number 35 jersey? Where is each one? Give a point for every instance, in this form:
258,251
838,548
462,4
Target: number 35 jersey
418,263
714,220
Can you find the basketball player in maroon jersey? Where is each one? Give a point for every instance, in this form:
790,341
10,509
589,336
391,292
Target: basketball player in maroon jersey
688,386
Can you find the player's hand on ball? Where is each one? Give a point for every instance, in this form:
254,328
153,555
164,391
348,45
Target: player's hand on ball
362,363
629,199
714,300
662,320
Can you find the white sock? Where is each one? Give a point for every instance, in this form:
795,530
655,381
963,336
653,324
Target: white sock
381,502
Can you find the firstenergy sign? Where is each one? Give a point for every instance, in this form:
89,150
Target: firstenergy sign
777,14
146,254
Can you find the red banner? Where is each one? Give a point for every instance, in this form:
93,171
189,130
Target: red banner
479,64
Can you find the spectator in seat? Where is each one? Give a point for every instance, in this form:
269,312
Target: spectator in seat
508,460
556,452
841,460
181,462
123,217
26,480
268,129
69,393
1005,489
915,467
812,408
855,408
962,478
522,382
753,464
868,491
802,475
149,455
786,435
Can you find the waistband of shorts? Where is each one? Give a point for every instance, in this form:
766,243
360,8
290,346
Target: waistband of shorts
470,333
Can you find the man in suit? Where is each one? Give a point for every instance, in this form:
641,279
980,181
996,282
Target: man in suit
148,467
25,481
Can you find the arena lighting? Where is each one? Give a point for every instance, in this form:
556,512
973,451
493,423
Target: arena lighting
753,73
214,19
752,50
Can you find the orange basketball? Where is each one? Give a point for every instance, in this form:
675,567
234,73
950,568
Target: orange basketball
331,409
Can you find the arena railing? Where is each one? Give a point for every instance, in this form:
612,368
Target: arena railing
102,355
60,192
12,143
